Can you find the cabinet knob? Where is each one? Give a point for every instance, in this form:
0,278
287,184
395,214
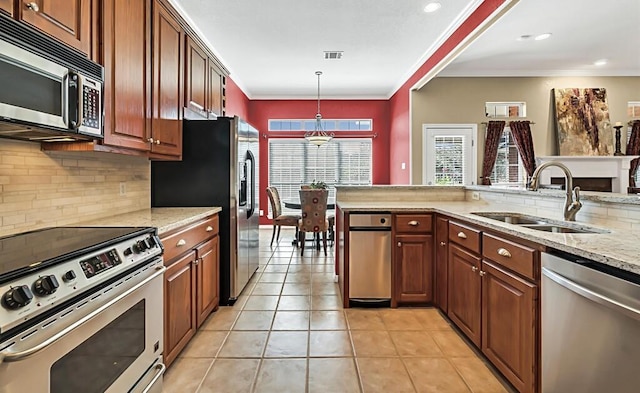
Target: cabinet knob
443,244
414,223
474,269
196,261
462,235
482,273
503,252
33,6
209,229
181,243
157,141
150,140
399,244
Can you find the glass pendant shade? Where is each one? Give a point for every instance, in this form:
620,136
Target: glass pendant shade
318,136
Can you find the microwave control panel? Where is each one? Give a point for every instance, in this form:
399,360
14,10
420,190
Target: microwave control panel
91,107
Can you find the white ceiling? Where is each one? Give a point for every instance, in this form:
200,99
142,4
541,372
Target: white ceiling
583,31
273,47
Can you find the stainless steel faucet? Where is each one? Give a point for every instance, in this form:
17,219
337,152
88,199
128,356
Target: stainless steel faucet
572,202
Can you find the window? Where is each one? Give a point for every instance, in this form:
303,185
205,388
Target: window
508,169
327,125
505,109
449,154
293,162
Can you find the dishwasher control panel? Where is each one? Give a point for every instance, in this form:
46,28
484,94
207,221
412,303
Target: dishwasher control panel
370,220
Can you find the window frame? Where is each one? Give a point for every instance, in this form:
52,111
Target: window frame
470,151
521,171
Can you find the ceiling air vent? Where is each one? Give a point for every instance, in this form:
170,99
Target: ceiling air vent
333,55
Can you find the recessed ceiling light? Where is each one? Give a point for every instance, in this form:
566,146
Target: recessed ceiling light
600,62
432,7
542,36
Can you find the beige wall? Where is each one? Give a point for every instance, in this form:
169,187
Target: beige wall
461,100
41,189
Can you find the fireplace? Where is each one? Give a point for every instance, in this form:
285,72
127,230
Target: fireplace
591,173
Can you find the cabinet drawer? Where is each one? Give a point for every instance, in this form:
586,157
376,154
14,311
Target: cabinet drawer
516,257
413,223
465,236
186,238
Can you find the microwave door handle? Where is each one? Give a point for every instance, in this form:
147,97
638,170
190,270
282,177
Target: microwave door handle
65,100
79,102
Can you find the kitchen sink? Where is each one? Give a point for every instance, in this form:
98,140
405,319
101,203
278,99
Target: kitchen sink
563,229
512,218
538,223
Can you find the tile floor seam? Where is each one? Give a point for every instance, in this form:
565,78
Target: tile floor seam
205,374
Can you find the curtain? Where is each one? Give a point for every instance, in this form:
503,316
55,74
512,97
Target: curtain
521,132
633,149
491,142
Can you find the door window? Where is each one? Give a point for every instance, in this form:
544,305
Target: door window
449,156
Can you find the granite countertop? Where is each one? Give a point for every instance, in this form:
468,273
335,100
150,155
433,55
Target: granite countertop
618,248
163,218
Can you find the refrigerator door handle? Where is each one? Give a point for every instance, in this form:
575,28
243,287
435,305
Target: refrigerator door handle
252,187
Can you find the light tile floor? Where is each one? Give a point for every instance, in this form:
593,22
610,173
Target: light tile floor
288,332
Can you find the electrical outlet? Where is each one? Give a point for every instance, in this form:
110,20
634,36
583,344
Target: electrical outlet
403,165
123,188
261,212
475,196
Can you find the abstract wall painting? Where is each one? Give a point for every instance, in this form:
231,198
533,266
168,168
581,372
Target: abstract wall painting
582,122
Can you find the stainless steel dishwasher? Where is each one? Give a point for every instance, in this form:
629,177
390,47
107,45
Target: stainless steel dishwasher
370,259
590,326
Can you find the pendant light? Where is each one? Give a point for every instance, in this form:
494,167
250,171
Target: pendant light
318,136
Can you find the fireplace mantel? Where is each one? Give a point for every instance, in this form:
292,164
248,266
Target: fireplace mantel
614,167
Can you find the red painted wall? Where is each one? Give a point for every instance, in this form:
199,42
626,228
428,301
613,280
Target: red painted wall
400,128
237,103
260,111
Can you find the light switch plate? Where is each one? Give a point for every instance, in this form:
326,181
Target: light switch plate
475,196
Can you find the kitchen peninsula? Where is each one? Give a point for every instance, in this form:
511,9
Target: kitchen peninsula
477,253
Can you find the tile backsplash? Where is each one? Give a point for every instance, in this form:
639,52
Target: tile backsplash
41,189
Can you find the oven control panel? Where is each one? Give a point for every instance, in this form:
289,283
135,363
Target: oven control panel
26,297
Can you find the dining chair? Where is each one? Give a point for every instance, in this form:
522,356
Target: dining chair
279,219
314,216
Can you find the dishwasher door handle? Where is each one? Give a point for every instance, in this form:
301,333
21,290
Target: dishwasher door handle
591,295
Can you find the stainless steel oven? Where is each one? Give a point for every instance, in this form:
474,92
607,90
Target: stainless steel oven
49,92
104,331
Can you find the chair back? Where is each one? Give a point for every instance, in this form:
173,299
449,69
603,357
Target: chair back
314,210
274,199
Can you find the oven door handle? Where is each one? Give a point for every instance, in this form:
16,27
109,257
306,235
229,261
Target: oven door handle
161,369
17,356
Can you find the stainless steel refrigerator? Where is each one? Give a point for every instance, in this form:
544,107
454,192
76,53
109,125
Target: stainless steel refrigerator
219,167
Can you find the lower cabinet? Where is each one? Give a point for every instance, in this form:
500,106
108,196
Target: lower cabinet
179,305
207,273
465,292
493,299
191,289
441,264
413,272
508,325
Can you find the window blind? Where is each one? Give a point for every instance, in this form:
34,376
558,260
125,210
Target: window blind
294,162
507,169
449,160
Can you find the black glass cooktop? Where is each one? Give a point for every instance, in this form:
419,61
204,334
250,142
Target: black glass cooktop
30,251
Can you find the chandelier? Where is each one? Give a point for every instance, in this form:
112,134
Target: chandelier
318,136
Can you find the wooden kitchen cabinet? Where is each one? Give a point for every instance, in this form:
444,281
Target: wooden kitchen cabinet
66,20
207,272
412,258
441,263
191,250
215,87
179,305
464,298
196,79
6,7
126,55
167,101
509,324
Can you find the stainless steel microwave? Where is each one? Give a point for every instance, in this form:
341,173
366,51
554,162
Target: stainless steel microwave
48,92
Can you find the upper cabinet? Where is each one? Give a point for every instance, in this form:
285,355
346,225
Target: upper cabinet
6,7
215,102
126,56
67,20
196,78
166,122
